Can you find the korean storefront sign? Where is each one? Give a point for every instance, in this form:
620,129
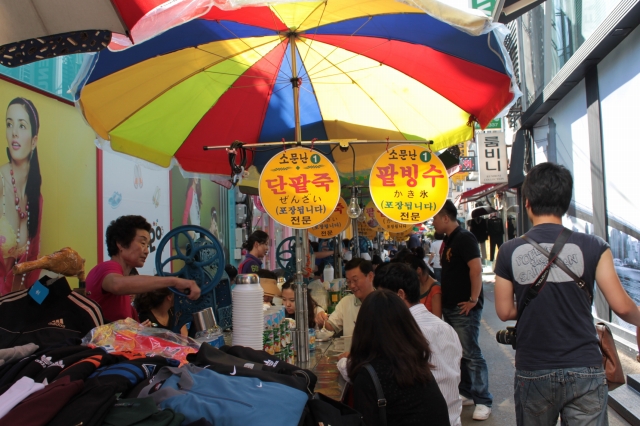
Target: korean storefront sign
495,124
492,158
391,225
370,217
365,230
402,236
409,184
299,188
335,224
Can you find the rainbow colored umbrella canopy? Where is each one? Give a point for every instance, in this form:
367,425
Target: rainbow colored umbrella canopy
367,70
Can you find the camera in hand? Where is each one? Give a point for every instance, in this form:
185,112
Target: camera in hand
507,337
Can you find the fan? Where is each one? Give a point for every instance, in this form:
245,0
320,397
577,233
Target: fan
286,258
204,263
364,244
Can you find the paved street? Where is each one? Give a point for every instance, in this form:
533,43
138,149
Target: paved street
501,368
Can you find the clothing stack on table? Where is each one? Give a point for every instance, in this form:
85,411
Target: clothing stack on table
63,314
70,383
124,374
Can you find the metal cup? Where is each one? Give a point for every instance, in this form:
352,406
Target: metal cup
204,320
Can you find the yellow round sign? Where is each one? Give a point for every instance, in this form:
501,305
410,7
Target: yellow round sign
299,188
409,184
335,224
402,236
365,230
370,216
390,225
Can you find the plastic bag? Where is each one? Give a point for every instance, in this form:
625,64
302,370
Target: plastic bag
130,336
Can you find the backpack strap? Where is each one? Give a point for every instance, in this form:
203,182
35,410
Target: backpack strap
382,402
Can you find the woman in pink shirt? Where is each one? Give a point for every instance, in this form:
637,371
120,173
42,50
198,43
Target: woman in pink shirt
112,282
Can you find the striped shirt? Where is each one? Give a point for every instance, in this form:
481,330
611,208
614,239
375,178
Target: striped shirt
446,353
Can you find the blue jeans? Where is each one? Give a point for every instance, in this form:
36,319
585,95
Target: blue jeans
474,373
578,395
438,273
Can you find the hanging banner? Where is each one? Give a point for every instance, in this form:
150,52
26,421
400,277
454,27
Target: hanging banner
370,217
409,184
492,154
299,188
335,224
402,236
365,230
390,225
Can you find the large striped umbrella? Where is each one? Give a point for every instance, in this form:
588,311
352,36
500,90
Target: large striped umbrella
334,69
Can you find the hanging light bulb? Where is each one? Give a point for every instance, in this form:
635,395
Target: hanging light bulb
363,216
354,209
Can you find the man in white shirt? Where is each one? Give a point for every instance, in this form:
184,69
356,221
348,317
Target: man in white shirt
444,343
359,273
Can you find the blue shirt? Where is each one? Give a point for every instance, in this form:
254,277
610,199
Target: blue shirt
250,265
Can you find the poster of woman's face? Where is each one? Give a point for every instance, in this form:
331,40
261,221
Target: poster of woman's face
47,182
20,188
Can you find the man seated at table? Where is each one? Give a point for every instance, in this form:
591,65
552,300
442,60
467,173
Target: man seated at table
111,283
446,351
359,274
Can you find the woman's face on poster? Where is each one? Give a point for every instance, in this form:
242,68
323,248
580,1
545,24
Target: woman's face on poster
19,139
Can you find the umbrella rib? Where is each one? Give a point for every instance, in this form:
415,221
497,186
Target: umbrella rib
158,95
228,58
315,79
336,48
351,57
249,46
305,19
282,37
317,26
367,94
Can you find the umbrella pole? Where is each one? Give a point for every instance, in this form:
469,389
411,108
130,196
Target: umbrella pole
301,235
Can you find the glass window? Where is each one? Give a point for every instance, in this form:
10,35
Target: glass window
53,75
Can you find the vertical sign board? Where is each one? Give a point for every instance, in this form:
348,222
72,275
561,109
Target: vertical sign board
492,158
130,189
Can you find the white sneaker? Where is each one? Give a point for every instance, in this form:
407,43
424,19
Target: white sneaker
466,401
481,412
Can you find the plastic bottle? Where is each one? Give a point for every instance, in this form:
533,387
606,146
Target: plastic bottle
328,273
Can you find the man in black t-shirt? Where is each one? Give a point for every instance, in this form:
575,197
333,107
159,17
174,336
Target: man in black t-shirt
558,362
462,301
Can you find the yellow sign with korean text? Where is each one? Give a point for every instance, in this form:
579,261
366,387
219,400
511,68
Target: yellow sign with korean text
409,184
335,224
391,225
370,217
402,236
299,188
365,230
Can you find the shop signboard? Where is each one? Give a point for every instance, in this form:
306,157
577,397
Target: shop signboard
492,158
409,184
468,164
365,230
486,6
371,218
495,124
402,236
335,224
299,188
391,225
